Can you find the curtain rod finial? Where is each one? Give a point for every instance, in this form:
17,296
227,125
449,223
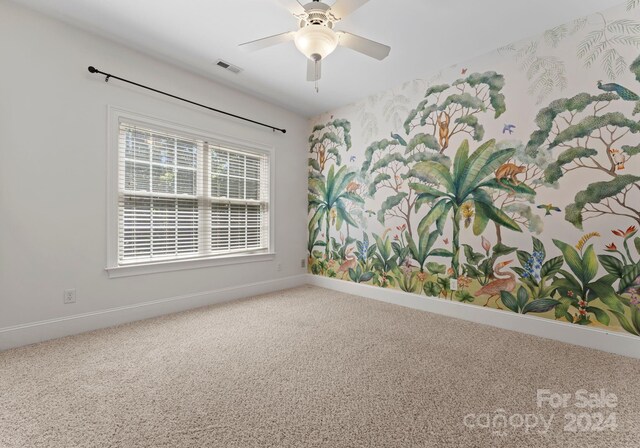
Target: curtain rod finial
92,69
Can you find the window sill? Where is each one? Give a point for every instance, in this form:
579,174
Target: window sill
179,265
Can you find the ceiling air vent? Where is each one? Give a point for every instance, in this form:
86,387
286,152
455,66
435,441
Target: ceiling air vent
230,67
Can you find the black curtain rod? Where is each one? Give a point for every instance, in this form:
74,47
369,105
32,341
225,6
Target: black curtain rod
92,69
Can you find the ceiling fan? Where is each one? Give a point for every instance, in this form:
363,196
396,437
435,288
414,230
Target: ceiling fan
316,38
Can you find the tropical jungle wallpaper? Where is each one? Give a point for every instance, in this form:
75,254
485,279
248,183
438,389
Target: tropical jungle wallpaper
516,174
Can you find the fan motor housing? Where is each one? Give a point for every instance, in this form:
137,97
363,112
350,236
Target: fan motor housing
316,13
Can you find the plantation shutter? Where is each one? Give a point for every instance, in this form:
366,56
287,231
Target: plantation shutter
181,197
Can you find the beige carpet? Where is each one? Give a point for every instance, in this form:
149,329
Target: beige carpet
306,367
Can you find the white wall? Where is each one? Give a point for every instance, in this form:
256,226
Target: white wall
53,143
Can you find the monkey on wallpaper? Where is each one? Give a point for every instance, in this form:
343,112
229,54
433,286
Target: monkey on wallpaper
353,187
514,188
322,156
443,124
510,172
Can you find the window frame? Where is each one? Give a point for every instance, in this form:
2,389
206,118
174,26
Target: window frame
115,116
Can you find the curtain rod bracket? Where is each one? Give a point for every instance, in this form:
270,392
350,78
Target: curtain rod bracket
92,69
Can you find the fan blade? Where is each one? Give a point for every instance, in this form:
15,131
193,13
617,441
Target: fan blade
268,41
365,46
293,6
314,70
342,8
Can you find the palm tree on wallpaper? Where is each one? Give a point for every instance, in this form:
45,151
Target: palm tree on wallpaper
327,198
468,182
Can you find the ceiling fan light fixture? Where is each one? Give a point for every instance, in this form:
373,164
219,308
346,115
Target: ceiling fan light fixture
316,41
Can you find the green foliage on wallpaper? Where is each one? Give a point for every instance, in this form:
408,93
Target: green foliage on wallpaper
326,141
575,125
441,200
450,109
328,197
597,193
606,44
467,181
635,68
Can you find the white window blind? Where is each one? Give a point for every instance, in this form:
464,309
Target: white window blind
181,197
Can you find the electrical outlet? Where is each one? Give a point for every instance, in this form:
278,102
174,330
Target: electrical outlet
69,296
303,263
453,284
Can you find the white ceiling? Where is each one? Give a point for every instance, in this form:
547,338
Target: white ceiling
424,35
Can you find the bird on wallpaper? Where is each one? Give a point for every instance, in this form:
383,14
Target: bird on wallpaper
352,159
351,261
464,71
622,92
508,128
549,208
399,139
370,213
501,284
618,157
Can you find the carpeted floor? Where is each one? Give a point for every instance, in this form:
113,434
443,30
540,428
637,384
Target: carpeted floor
310,367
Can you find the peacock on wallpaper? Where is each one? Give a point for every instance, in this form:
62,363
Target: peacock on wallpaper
517,173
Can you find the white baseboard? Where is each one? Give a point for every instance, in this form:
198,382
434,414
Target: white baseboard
30,333
595,338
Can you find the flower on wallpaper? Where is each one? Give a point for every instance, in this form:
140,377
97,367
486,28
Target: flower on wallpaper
411,201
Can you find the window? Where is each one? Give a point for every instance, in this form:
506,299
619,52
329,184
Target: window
184,197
